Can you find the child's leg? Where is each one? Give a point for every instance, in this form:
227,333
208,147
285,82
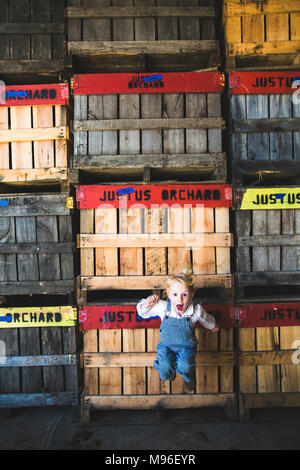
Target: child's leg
186,363
165,362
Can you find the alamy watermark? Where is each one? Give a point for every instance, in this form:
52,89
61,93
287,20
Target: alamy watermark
296,94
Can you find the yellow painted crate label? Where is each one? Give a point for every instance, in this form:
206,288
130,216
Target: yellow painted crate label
70,203
271,198
22,317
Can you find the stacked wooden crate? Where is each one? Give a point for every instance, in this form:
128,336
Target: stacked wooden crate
261,34
152,131
38,347
141,35
262,57
34,135
32,40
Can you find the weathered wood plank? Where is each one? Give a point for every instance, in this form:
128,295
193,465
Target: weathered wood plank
27,135
143,124
36,361
99,48
269,240
32,28
152,282
266,125
136,402
36,287
145,359
20,400
154,240
139,12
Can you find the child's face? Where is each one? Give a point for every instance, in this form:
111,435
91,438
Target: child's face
180,296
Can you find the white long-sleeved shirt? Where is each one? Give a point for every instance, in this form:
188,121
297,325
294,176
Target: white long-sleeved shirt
195,312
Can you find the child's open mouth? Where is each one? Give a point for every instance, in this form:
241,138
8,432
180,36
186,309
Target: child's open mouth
179,307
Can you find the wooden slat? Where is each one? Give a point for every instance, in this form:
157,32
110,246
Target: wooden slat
290,374
35,361
145,359
268,375
266,125
136,402
20,400
227,372
203,257
155,240
91,48
269,240
277,27
142,124
33,204
254,8
36,287
268,278
145,27
93,28
264,48
223,264
91,376
33,247
139,12
21,152
247,373
32,66
33,174
274,400
259,358
4,148
43,150
123,28
32,28
207,379
151,282
61,146
253,29
29,135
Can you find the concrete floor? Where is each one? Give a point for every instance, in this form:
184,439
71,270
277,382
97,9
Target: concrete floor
59,428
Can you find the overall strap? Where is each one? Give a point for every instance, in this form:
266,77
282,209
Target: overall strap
168,307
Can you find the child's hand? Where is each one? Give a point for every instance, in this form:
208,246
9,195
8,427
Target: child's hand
215,329
151,300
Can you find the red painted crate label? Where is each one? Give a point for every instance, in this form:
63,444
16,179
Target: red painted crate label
125,316
259,82
181,82
268,315
34,95
153,196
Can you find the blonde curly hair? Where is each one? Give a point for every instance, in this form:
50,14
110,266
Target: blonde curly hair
186,278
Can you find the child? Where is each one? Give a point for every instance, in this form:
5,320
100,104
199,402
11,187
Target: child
177,348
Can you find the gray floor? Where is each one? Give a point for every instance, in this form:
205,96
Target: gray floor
60,429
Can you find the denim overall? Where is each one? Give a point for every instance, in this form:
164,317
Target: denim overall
177,348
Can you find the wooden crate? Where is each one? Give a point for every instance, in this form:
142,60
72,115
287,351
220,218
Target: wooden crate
153,126
267,243
118,353
38,356
268,363
34,135
122,35
261,34
36,245
32,39
265,127
133,236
